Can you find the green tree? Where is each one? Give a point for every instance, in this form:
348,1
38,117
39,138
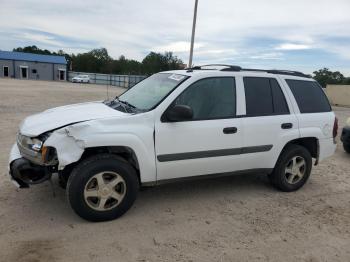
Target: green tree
95,61
324,76
346,81
156,62
126,66
34,49
153,62
99,61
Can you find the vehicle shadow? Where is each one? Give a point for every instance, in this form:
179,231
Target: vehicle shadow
214,185
202,191
152,199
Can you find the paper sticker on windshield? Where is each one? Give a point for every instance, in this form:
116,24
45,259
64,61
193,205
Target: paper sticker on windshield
176,77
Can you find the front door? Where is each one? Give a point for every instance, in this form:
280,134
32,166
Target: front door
24,72
209,143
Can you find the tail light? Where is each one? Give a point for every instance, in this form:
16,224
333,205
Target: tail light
335,127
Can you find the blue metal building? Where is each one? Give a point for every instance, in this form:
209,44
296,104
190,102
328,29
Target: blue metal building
32,66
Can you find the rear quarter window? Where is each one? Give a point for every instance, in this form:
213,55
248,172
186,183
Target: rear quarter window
309,96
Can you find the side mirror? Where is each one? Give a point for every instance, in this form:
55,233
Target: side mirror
179,113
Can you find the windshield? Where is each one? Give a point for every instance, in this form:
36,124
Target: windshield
151,91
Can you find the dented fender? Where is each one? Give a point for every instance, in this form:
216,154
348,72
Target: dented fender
71,141
69,149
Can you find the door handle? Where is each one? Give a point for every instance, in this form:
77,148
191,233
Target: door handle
230,130
286,125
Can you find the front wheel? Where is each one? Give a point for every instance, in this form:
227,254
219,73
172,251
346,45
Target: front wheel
292,169
102,188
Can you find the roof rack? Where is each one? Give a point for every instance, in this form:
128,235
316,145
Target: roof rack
278,72
233,68
202,67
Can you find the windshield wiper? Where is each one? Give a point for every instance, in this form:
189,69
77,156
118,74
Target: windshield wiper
127,103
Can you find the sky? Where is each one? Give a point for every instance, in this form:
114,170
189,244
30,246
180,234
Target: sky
303,35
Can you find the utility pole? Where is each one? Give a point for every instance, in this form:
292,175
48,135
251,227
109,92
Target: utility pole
193,32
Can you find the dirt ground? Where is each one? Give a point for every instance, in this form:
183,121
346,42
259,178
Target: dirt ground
238,218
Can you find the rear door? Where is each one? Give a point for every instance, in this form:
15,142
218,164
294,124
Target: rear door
269,122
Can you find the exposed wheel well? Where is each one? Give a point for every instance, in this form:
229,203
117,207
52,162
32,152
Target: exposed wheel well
310,143
125,154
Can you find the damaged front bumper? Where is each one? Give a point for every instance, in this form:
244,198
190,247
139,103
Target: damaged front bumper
29,167
23,172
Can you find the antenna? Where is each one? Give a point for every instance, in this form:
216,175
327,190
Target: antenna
193,33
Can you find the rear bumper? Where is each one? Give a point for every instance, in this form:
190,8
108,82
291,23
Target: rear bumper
345,135
327,148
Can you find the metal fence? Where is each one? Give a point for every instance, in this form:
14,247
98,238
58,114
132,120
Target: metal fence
126,81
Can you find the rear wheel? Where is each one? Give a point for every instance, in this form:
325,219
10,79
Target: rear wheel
102,188
346,147
293,168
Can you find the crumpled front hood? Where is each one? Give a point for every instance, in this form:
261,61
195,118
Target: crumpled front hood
61,116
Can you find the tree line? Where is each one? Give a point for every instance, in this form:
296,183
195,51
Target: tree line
99,61
326,77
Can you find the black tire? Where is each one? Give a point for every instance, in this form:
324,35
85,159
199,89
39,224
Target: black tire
278,177
346,147
91,166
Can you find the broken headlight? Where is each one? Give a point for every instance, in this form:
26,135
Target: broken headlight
34,150
34,144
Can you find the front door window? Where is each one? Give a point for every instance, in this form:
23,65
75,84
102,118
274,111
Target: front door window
211,98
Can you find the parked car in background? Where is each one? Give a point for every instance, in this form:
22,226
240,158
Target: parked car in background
345,136
81,79
177,125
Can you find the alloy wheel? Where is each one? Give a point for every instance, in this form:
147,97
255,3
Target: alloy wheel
295,169
104,191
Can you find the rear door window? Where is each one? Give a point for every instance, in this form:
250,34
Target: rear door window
309,96
264,97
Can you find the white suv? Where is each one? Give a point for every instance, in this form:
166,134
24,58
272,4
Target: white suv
174,125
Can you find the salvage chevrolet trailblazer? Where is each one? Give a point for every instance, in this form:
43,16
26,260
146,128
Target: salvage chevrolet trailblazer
209,120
